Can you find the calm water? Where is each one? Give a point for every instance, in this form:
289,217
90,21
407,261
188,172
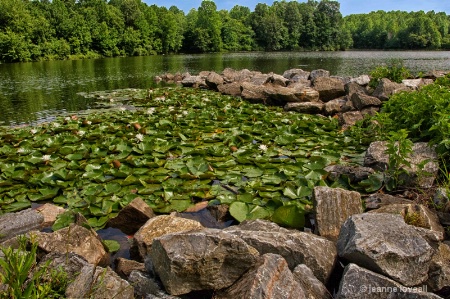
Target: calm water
33,92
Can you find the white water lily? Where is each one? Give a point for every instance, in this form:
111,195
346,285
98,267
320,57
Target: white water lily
171,108
67,118
122,109
56,125
33,131
20,150
46,158
263,147
89,122
151,110
140,137
161,99
81,133
185,112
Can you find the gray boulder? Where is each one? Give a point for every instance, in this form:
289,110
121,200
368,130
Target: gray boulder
318,73
362,80
144,285
377,200
318,253
335,106
354,173
386,88
360,283
350,118
132,217
232,89
50,213
231,75
213,80
124,266
332,207
329,88
439,273
200,260
278,80
313,288
269,278
298,73
304,94
306,107
352,87
254,93
361,101
14,224
99,283
193,81
70,263
384,243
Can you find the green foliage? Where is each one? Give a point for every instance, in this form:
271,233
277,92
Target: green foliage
399,147
24,280
395,72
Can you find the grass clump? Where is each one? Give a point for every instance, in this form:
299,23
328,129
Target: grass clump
395,72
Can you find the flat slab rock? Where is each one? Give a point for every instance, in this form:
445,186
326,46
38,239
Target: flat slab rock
18,223
209,259
269,278
385,244
360,283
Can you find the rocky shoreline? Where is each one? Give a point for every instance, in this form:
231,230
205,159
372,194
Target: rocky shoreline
357,246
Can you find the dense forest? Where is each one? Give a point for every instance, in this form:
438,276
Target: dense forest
32,30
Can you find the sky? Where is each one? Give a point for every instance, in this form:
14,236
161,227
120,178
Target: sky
347,6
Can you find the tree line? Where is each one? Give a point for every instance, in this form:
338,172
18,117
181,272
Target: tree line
32,30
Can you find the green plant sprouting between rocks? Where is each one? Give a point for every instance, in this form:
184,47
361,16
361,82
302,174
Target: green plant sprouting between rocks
23,279
394,71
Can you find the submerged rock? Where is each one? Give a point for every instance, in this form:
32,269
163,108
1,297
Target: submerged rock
132,217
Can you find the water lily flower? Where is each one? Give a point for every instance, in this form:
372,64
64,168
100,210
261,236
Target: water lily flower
20,150
151,110
33,131
263,147
46,158
89,122
122,109
185,112
56,125
111,100
140,137
161,99
171,108
81,133
67,118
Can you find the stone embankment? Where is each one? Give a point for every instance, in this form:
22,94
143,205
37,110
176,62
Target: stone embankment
359,246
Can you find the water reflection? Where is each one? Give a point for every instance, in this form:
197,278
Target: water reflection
32,92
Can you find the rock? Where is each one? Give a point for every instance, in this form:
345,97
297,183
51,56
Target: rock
304,94
350,118
132,217
278,80
14,224
361,101
260,79
370,110
70,263
253,93
193,81
360,283
230,75
413,84
50,212
384,243
99,283
352,87
213,80
299,73
318,253
219,212
378,159
261,225
210,259
281,94
441,197
318,73
417,215
377,200
160,226
313,288
354,173
386,88
232,89
124,267
444,218
434,74
299,81
335,106
329,88
76,239
144,285
332,206
439,273
306,107
362,80
269,278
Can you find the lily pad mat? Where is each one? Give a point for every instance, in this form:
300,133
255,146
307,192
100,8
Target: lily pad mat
173,147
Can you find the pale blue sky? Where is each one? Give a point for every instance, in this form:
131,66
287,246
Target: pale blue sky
347,6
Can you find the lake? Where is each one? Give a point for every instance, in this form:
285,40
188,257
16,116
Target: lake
39,91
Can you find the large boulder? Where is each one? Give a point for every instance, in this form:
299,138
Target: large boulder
14,224
318,74
254,93
278,80
99,283
157,227
421,152
384,243
332,207
362,80
132,217
318,253
281,94
69,263
386,88
269,278
350,118
305,94
213,80
232,89
354,174
329,88
299,73
210,259
50,213
306,107
361,101
335,106
231,75
417,215
193,81
360,283
352,87
76,239
313,288
377,200
439,273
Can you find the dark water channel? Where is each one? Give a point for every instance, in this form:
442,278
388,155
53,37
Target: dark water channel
34,92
